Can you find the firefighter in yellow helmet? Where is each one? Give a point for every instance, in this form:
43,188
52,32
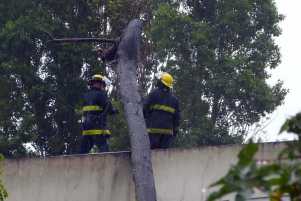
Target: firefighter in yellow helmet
96,107
162,113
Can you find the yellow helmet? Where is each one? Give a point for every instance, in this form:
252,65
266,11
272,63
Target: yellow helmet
97,77
100,78
166,79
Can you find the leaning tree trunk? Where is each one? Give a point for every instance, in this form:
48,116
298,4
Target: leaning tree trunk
128,52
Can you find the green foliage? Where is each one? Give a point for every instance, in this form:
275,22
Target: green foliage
46,80
120,140
292,125
3,192
293,149
283,177
43,83
219,53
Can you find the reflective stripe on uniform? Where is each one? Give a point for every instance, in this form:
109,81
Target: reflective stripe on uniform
90,108
96,132
163,108
160,130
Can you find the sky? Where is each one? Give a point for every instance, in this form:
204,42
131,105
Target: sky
289,71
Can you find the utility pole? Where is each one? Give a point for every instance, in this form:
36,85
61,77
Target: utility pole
128,55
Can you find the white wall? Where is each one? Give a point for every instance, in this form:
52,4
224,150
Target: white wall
180,174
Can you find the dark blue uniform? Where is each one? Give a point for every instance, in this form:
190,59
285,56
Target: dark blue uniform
96,107
162,116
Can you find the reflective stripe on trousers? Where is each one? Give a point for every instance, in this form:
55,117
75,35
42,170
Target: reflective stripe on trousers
160,131
96,132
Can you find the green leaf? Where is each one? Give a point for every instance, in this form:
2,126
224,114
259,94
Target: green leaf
247,154
292,125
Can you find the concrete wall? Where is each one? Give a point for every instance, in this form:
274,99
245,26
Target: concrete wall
180,175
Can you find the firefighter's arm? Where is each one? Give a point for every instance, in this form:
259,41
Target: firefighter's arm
146,105
109,109
145,108
103,101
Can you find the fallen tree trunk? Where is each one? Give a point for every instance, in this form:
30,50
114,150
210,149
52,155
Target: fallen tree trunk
128,54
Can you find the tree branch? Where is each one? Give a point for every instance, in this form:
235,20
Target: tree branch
82,40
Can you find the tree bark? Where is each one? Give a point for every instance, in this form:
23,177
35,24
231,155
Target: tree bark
128,55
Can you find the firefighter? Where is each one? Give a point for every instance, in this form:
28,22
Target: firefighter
96,107
162,114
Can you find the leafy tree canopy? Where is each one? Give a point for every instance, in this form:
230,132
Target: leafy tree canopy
218,51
